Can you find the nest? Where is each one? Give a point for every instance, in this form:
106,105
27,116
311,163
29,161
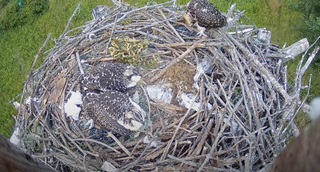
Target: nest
251,111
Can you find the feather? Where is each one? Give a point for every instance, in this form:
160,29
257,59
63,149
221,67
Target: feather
114,76
115,111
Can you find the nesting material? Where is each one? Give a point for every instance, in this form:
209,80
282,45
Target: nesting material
160,92
72,106
14,139
191,101
252,107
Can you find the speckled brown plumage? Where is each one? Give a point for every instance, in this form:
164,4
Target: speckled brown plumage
206,14
113,76
14,160
110,107
302,154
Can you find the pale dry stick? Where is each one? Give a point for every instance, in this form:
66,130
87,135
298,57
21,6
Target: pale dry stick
128,144
299,108
301,71
315,51
217,97
174,3
42,156
143,152
65,160
119,143
241,124
298,79
106,59
31,70
271,123
283,122
125,15
146,95
310,59
255,85
175,147
63,116
83,152
237,118
63,49
70,19
265,71
82,135
183,161
166,34
140,32
100,143
175,133
60,144
246,88
284,77
111,35
168,23
79,63
45,153
180,44
217,139
37,55
175,61
136,146
203,138
167,48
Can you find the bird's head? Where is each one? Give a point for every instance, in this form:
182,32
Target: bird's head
132,75
224,21
134,117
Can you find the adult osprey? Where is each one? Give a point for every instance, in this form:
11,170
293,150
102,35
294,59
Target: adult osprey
205,14
112,76
115,111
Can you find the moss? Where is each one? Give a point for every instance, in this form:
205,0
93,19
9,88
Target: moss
127,50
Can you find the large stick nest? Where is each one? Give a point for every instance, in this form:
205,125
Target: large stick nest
252,111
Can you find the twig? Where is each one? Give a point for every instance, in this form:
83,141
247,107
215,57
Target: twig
70,19
119,143
168,23
270,77
95,141
143,152
37,55
79,63
111,35
165,152
181,57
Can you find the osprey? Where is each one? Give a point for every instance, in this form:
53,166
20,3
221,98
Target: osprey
115,111
205,14
113,76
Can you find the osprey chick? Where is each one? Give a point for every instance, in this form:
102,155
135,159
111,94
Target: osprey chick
115,111
205,14
113,76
